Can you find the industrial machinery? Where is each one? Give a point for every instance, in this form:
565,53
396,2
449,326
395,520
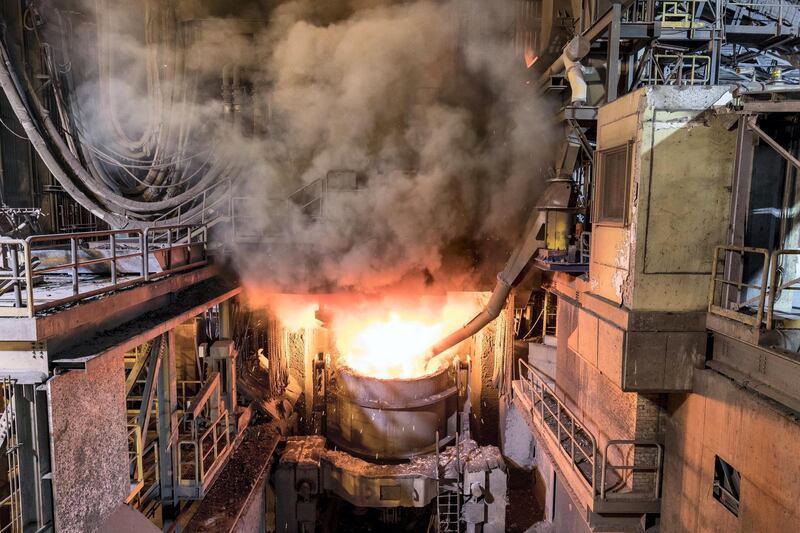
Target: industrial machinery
400,447
248,257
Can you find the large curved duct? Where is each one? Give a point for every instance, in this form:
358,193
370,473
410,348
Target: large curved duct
542,30
515,269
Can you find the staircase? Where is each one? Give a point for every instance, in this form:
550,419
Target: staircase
450,485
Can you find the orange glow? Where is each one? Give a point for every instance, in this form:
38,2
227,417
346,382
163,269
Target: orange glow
387,336
393,339
530,57
393,348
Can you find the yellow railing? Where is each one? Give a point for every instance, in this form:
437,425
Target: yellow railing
204,451
679,14
186,391
135,462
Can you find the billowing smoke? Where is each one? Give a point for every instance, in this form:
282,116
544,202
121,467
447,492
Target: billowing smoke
426,102
411,125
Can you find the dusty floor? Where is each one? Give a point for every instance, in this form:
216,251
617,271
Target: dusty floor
523,512
244,469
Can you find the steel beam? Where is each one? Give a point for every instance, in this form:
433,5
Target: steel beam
167,422
612,75
153,369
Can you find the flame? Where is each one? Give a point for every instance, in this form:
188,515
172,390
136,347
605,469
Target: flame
393,340
530,57
387,336
394,348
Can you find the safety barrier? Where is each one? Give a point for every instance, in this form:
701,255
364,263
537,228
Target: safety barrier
579,446
728,293
24,262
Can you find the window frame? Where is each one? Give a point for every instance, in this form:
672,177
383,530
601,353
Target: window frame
598,217
729,500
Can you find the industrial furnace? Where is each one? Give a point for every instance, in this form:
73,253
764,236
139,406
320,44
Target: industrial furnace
392,441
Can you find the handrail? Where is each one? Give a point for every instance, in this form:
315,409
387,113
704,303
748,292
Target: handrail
721,308
202,196
19,266
135,461
539,391
208,422
204,448
585,247
775,289
769,288
540,398
656,469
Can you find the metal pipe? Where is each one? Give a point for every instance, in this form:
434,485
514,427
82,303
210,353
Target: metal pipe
40,145
512,274
110,199
490,312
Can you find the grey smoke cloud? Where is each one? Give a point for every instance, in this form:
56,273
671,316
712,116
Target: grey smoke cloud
426,101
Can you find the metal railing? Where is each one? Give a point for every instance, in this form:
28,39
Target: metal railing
728,295
554,417
776,283
579,445
186,390
208,437
214,202
150,485
680,14
585,247
678,69
655,469
135,461
69,255
781,11
204,451
13,500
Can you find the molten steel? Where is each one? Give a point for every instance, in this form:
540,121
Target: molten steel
393,348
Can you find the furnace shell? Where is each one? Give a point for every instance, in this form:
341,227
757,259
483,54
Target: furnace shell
391,419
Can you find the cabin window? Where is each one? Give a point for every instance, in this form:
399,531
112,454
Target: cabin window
613,185
726,485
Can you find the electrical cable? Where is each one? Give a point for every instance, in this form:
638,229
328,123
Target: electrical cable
6,126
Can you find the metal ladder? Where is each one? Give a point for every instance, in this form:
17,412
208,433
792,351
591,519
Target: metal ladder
448,508
448,495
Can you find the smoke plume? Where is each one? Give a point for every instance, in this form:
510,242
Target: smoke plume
429,104
412,126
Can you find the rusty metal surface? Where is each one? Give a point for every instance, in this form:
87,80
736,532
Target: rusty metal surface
380,393
366,483
383,419
305,451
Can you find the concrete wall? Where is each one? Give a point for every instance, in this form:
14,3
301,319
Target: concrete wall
89,444
684,170
682,162
748,432
607,411
610,257
567,517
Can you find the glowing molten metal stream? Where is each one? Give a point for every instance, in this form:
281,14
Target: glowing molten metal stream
396,348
